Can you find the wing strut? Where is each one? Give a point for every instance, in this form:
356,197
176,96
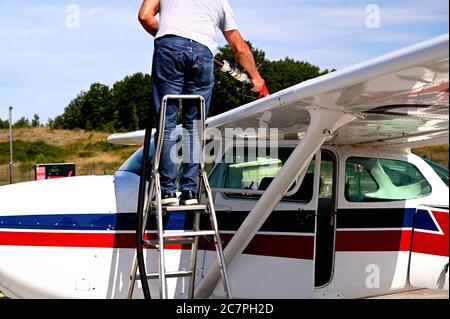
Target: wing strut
323,123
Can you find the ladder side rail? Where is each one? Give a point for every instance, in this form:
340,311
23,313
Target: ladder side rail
160,229
203,132
159,215
194,249
160,131
217,239
196,226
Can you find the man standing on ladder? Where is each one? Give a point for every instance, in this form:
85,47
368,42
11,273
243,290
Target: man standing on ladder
183,63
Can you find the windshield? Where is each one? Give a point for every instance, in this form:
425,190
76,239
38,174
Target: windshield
440,170
134,163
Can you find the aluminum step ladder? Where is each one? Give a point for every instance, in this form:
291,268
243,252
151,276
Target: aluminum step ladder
149,203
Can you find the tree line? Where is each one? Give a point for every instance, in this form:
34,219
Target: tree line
126,105
23,122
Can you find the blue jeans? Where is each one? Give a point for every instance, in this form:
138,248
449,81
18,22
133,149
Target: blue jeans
180,66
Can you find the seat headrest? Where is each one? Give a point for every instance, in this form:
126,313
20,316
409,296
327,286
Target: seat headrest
264,183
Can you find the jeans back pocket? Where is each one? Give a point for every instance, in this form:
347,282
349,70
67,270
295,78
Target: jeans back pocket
169,65
203,70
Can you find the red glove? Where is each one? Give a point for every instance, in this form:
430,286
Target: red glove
264,92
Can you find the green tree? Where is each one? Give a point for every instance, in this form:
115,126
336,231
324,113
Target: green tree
89,110
22,123
285,73
71,117
96,107
127,105
35,122
59,122
50,123
132,101
135,118
229,93
4,124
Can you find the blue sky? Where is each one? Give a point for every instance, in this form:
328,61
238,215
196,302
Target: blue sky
47,57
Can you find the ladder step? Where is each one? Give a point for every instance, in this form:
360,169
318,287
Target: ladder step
175,274
171,241
168,234
184,208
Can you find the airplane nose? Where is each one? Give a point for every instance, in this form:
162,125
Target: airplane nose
75,195
13,200
39,220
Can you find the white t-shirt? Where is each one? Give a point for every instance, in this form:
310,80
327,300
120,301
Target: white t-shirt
196,20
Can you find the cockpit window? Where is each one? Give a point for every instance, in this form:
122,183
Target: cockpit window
248,171
380,180
134,163
440,170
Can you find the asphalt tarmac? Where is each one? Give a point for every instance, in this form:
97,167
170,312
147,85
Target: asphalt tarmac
417,294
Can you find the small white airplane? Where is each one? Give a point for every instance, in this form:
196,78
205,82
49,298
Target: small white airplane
347,212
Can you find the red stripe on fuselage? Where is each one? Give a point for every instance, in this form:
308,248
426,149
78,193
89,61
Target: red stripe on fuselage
300,247
395,240
56,239
432,243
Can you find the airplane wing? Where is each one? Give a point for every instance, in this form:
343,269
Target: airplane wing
131,138
401,98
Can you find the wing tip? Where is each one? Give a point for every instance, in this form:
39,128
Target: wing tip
131,138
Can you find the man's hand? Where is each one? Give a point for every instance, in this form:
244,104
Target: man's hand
245,58
147,16
258,84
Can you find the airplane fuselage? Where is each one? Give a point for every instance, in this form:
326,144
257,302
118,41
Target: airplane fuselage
75,237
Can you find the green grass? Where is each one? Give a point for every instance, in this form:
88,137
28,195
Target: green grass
93,155
39,152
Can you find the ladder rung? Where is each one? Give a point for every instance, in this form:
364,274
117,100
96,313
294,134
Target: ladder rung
175,274
167,234
183,208
170,241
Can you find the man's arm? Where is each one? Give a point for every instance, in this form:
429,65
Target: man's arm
244,56
147,16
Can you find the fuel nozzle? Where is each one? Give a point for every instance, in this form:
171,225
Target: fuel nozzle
239,75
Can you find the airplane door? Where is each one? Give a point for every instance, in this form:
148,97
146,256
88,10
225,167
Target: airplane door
429,251
279,260
325,226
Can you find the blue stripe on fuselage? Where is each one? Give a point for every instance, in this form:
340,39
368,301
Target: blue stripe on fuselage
280,221
97,222
60,222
